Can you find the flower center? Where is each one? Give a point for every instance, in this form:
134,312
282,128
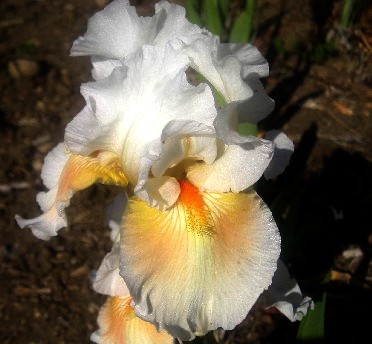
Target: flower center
197,216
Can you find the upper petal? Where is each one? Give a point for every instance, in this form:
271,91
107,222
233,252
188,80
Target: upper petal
201,264
130,109
239,165
117,31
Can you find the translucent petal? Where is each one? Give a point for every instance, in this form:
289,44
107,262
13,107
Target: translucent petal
201,264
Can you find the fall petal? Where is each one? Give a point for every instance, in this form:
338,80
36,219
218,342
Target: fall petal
78,173
119,325
107,280
284,294
201,264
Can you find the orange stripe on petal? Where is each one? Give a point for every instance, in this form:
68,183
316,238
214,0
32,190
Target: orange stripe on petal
119,325
197,216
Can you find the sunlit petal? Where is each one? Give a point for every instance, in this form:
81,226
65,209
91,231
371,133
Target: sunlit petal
240,165
78,173
127,112
285,294
201,264
117,31
119,325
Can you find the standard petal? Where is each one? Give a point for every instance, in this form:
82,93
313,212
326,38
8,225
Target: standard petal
78,173
181,140
119,325
240,165
283,149
115,32
253,63
200,265
108,280
284,294
224,74
129,110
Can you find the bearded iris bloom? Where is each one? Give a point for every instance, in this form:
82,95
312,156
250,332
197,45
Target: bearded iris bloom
194,246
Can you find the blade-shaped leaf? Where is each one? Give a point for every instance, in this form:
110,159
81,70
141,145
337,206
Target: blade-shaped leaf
211,17
193,12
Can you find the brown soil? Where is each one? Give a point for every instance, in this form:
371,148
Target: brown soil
323,102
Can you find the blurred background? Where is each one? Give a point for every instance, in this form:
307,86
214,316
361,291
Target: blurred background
320,60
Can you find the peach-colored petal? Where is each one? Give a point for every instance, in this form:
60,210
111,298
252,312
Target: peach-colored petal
119,325
78,173
201,264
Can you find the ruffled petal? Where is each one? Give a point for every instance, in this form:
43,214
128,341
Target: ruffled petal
117,32
200,265
240,165
78,173
119,325
129,110
283,149
223,73
108,280
253,63
285,294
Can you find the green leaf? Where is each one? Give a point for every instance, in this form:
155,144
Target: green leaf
224,6
247,129
211,16
242,27
311,329
193,12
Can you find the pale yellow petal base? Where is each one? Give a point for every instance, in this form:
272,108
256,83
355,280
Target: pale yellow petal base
200,265
119,325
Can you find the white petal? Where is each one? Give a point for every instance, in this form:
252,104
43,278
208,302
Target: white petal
180,140
258,106
130,109
46,225
253,63
283,149
224,74
54,163
107,280
242,163
160,192
284,294
200,265
115,32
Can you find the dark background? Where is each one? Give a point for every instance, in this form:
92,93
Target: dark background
322,203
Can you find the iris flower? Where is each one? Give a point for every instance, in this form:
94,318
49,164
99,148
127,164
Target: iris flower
194,246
